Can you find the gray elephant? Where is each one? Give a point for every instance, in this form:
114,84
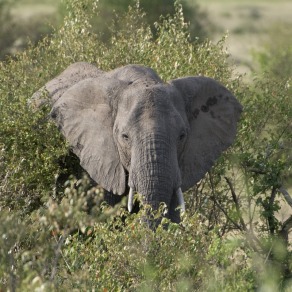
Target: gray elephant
132,131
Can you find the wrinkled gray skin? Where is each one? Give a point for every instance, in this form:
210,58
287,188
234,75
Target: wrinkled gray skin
128,127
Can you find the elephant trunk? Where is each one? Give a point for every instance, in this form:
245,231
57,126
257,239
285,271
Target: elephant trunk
155,174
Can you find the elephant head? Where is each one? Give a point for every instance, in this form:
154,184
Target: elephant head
131,129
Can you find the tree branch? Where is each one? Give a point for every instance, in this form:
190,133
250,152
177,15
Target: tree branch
219,206
286,196
252,240
287,224
284,232
257,171
226,214
269,211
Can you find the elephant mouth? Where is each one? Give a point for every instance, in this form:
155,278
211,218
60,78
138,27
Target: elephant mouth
178,193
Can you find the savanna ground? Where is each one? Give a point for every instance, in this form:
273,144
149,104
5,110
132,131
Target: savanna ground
232,237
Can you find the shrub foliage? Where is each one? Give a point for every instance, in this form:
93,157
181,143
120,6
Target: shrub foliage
231,232
197,18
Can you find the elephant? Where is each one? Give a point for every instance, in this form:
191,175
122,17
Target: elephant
133,132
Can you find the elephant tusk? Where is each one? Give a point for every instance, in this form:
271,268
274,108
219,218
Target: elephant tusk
181,201
130,200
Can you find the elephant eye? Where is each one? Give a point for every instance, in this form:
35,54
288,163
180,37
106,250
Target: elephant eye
182,136
125,137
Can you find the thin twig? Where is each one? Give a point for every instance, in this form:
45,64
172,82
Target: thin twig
234,197
219,206
12,267
269,253
257,171
226,214
251,238
59,252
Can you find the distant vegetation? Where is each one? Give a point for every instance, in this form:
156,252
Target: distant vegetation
154,9
275,57
15,35
230,238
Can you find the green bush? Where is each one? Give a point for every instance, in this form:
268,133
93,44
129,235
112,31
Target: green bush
154,9
53,242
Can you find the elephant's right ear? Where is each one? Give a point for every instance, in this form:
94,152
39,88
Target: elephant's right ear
55,88
84,115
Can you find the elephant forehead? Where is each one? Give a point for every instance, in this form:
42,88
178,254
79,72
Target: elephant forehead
150,108
149,104
152,115
154,97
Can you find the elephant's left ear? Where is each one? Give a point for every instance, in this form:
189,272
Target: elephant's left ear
213,113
